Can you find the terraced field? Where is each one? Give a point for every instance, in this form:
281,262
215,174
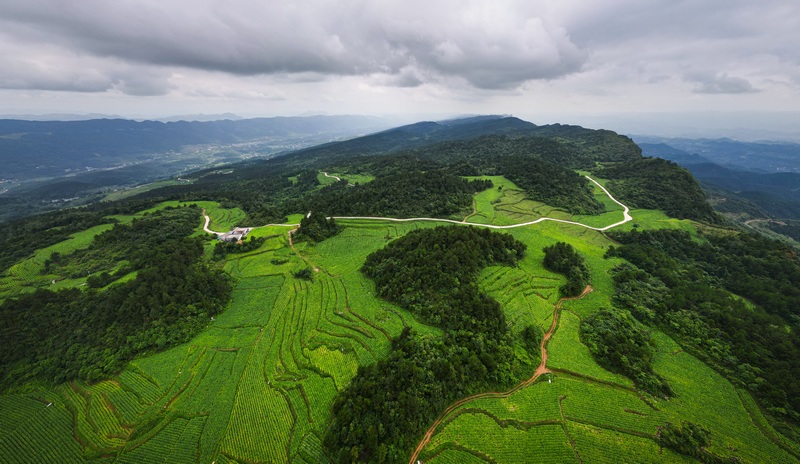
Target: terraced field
258,383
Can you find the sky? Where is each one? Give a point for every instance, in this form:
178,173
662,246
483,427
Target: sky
651,64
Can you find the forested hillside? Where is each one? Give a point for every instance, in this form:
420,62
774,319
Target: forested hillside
694,291
55,336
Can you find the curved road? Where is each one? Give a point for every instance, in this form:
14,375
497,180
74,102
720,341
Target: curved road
626,217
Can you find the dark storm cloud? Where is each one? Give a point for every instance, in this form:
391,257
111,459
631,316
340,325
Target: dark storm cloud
497,45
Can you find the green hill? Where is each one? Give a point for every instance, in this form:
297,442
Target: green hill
475,299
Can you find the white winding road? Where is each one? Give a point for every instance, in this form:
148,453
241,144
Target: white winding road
626,217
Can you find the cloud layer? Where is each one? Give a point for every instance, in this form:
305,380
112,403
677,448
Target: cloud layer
611,54
489,46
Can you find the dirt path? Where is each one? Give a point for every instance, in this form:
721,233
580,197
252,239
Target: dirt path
338,179
474,209
542,369
208,221
291,245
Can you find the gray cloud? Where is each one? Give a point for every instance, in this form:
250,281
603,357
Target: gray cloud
721,83
400,55
490,46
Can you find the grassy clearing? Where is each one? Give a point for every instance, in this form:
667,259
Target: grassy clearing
349,177
27,275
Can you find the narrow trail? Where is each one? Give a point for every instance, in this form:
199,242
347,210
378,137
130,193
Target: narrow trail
208,221
474,210
291,245
542,369
772,221
338,179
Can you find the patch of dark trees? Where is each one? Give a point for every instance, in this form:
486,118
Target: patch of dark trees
691,439
382,414
621,344
316,226
562,258
55,336
404,187
790,229
695,290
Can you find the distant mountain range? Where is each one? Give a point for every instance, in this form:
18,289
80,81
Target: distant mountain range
31,149
762,177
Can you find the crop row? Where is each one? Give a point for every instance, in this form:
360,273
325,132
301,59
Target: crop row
44,433
605,446
602,404
159,447
146,390
311,450
260,422
482,434
538,402
95,426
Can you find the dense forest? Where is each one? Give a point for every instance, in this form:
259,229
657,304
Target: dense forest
730,299
54,336
432,273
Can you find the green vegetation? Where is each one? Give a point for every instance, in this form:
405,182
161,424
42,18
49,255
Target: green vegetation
654,183
563,259
432,273
690,289
361,363
47,229
317,227
621,344
59,336
221,249
690,439
403,187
